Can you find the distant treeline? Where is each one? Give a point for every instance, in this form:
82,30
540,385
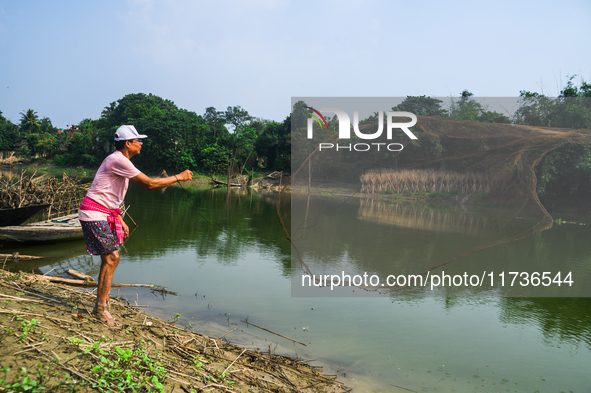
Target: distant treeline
215,142
234,141
562,174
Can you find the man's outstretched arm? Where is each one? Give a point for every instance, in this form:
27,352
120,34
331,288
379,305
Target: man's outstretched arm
155,183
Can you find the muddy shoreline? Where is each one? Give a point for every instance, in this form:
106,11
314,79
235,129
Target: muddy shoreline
46,329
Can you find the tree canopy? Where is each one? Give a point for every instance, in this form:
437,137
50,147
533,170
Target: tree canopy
8,134
233,140
29,122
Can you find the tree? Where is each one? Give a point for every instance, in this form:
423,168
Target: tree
29,122
41,143
132,107
274,144
571,109
236,116
421,106
534,109
467,108
570,90
8,134
174,135
80,144
563,174
47,144
216,121
573,106
214,158
240,144
234,148
45,126
300,145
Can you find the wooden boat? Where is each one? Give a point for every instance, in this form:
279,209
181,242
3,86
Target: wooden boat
55,230
19,215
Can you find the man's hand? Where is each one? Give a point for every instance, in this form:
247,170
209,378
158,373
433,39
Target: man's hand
155,183
125,230
185,175
125,227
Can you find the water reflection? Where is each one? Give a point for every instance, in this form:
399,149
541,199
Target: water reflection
210,221
228,259
561,321
7,172
367,236
62,256
456,219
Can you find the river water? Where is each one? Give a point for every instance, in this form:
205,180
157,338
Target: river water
227,258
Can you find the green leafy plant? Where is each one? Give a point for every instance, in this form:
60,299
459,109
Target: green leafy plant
27,326
23,382
174,318
126,369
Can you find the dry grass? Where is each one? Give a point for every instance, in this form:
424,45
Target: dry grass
26,189
430,180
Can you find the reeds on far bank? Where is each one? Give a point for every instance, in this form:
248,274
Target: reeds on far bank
430,180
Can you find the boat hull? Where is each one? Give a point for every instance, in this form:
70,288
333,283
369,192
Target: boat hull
19,215
58,230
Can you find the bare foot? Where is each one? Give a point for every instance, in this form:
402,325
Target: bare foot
102,314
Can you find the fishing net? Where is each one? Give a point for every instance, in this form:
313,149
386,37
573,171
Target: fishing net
482,172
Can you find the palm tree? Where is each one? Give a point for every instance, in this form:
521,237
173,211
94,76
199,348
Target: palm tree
30,121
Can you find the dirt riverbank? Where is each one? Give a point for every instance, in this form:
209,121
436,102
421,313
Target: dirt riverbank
49,339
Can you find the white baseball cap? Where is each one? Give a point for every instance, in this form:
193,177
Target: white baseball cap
126,133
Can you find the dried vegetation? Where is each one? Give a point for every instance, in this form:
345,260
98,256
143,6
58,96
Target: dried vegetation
8,158
27,189
46,329
429,180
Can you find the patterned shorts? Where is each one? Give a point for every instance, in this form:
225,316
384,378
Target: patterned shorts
100,239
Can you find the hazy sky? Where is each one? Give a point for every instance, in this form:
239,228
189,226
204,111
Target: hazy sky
67,60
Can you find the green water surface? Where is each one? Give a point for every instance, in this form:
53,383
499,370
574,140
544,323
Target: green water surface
228,259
